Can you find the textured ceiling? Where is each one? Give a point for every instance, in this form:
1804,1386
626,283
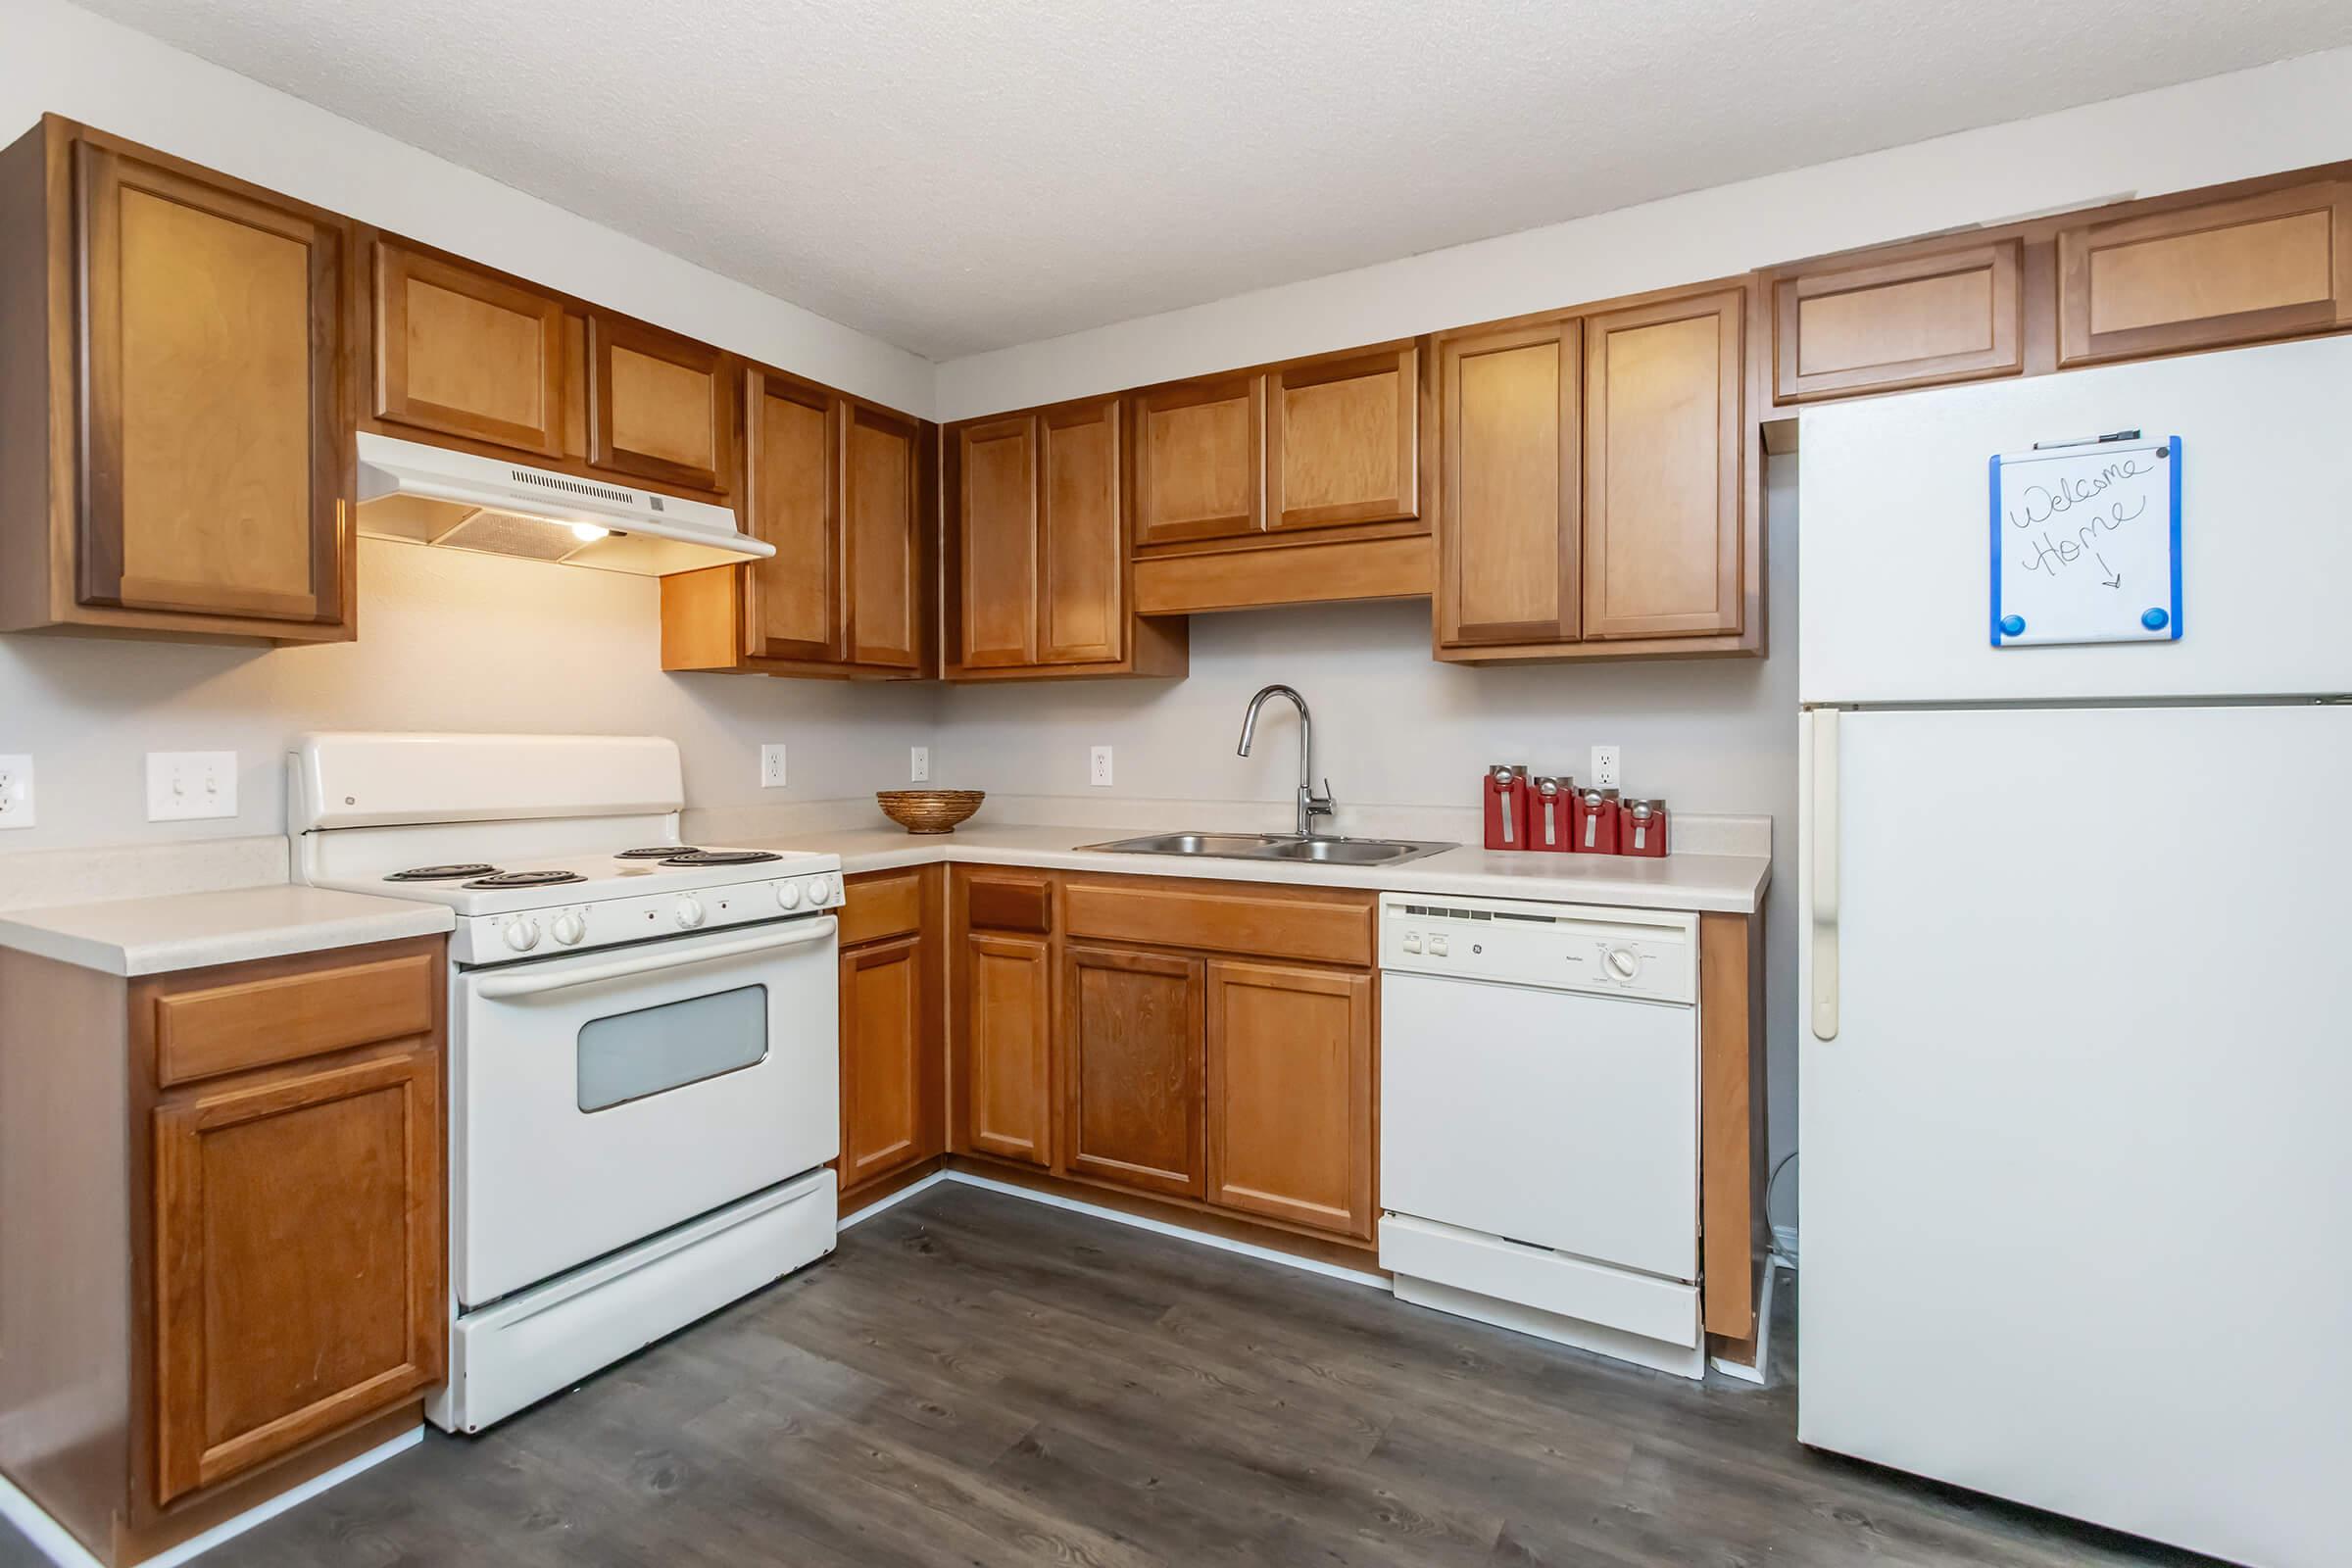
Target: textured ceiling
955,177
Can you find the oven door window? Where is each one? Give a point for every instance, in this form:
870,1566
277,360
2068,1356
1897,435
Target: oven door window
629,1056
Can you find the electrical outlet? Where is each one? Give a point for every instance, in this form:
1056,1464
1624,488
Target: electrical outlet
1099,768
183,786
772,767
16,792
1604,768
919,764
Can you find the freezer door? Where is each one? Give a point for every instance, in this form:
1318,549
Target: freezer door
1895,578
2076,1168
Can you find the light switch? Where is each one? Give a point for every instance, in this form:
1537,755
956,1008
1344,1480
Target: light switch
183,786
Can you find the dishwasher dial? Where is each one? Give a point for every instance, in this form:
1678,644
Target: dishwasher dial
1623,964
689,912
522,933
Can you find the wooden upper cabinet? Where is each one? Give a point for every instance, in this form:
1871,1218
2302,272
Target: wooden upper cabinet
1665,438
794,604
996,522
297,1258
1198,457
1133,1064
1290,1093
1948,312
467,353
211,475
1344,440
1005,1046
661,408
1510,545
882,522
1081,615
2242,269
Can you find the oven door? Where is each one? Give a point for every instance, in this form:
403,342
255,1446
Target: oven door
602,1097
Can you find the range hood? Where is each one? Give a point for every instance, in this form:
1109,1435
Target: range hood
431,496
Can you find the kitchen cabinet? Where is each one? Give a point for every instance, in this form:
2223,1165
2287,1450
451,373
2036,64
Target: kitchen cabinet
1037,550
174,397
843,489
464,352
1289,1093
1133,1059
2206,274
1923,315
1000,1014
241,1278
1601,480
661,408
892,1110
1297,483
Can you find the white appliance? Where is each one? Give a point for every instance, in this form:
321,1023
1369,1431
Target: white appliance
643,1069
2074,995
1538,1121
429,495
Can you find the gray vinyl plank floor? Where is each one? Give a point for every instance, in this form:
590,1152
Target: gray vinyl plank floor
975,1378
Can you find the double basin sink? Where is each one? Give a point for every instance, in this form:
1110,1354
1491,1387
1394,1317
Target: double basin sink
1279,847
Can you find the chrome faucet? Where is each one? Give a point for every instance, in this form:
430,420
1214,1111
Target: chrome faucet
1310,804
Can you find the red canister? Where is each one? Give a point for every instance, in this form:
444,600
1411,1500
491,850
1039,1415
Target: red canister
1596,822
1506,806
1551,815
1642,828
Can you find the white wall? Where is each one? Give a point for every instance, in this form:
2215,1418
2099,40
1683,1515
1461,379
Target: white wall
56,58
2286,116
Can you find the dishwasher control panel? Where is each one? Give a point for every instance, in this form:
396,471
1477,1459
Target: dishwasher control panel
1647,953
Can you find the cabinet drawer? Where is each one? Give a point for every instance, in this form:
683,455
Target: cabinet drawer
1268,922
255,1014
1009,903
887,904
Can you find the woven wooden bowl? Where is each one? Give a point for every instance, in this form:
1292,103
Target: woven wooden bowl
929,810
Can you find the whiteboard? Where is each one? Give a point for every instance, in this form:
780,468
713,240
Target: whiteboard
2086,544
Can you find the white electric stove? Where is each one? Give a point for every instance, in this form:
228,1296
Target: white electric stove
643,1074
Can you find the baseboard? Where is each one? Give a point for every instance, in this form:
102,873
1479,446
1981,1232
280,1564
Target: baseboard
53,1541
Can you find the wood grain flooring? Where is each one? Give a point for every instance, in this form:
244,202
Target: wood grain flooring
974,1379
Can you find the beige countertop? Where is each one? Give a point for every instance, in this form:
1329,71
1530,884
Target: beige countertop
190,930
1710,883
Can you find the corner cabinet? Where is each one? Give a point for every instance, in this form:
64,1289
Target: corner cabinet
1036,540
1001,1038
844,490
1601,483
893,1061
174,399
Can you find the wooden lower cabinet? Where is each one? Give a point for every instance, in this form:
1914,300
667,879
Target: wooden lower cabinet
1289,1093
885,1120
1131,1054
1006,1017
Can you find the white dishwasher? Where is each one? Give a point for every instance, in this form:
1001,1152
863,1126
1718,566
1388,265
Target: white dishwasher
1538,1121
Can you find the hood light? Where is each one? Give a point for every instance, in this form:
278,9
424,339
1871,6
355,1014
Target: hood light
588,533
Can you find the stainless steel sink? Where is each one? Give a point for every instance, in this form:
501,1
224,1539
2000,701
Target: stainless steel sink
1275,847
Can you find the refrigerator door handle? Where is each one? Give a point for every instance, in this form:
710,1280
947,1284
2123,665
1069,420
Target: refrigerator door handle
1822,937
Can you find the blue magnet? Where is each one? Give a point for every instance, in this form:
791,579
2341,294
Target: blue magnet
2012,626
2155,619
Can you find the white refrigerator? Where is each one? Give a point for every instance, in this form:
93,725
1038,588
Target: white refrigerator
2075,969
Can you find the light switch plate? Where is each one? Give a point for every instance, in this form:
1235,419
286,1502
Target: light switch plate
1099,767
16,792
183,786
919,764
772,767
1604,768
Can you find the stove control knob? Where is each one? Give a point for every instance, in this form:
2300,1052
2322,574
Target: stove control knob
568,927
689,912
1623,964
522,933
788,894
827,887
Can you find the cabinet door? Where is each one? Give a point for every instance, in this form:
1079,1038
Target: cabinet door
298,1260
887,1117
1082,555
2272,265
795,607
1290,1093
1009,1031
996,522
1664,442
1133,1099
1344,440
215,435
1948,314
1510,545
881,521
465,353
660,408
1197,457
